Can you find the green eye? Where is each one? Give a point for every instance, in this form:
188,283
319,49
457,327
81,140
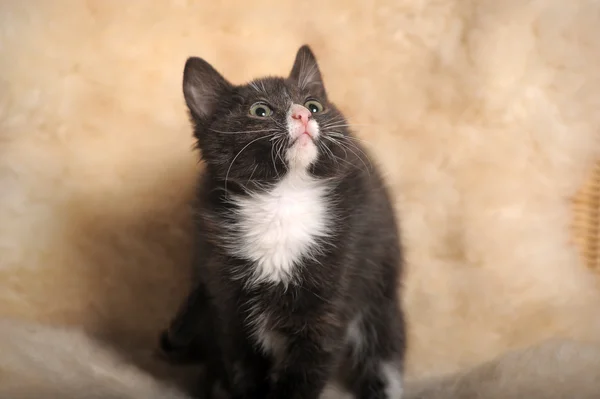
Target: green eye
260,110
314,106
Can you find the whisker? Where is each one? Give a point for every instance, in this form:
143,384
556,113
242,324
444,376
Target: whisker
354,145
346,137
327,151
238,154
275,152
246,131
338,125
280,149
254,86
279,124
335,158
346,146
333,121
252,174
343,149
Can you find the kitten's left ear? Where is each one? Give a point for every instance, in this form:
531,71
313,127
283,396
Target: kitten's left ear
202,86
306,71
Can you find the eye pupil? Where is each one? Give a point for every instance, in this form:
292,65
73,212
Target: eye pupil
313,108
260,111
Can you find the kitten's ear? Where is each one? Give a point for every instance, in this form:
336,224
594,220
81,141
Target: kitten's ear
306,71
202,85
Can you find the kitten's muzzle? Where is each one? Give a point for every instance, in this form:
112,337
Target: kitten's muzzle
302,125
301,113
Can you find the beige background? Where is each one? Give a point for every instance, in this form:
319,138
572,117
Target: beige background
484,115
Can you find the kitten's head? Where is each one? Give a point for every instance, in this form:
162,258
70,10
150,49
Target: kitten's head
269,127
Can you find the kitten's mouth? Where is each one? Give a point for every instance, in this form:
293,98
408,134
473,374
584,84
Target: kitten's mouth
304,139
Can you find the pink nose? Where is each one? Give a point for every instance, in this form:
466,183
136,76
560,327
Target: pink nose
301,113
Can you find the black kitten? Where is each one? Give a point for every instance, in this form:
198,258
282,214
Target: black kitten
297,251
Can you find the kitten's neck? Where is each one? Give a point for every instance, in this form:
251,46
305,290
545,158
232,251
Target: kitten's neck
241,187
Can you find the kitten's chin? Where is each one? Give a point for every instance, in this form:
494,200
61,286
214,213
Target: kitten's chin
302,153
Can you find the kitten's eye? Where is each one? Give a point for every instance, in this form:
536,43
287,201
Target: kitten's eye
314,106
260,110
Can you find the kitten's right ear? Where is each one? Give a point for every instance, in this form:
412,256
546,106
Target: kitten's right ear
202,85
305,71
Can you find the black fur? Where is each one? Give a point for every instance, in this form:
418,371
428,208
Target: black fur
356,271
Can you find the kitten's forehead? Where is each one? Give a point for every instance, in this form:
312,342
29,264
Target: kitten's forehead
276,90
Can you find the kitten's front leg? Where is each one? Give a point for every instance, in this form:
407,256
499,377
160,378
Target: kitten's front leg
190,333
246,371
304,371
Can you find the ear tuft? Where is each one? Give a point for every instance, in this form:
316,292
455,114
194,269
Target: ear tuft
202,86
305,71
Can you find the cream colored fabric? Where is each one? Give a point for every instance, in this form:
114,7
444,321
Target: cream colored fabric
484,115
555,369
65,363
50,362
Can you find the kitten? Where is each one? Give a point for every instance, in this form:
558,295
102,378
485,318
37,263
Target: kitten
298,254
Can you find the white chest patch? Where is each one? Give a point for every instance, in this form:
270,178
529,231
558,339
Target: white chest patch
276,229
